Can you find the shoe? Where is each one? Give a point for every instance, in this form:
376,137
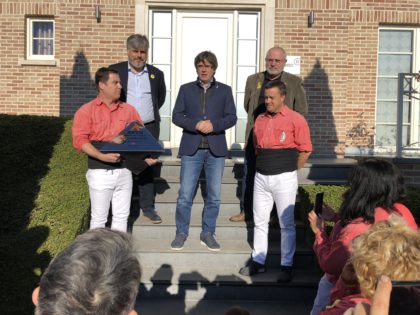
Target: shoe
252,268
178,242
285,274
152,216
208,240
240,217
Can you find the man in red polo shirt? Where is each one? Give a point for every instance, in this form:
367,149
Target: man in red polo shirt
282,146
102,120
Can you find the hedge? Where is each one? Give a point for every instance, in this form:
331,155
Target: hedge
44,202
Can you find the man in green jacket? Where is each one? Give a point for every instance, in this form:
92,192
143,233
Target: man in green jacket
254,105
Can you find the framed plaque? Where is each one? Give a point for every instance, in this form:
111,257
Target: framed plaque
138,139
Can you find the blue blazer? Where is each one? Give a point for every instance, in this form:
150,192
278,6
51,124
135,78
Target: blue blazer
157,85
189,110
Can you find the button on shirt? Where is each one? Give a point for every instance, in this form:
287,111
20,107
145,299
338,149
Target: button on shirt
139,94
285,129
95,121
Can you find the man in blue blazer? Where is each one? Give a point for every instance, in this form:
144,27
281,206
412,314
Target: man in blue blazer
143,86
205,110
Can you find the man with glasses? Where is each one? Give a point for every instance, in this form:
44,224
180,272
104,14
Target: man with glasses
275,61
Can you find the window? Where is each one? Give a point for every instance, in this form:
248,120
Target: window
40,38
248,24
398,52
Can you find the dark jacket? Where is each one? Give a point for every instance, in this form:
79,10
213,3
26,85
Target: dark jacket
219,109
157,85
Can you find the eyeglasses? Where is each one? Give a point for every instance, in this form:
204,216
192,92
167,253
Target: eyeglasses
275,60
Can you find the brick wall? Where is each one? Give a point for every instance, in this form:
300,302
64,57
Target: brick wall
339,58
82,46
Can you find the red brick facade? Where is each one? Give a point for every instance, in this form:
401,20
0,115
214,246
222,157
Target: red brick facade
338,53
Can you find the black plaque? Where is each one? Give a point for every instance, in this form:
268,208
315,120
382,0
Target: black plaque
138,139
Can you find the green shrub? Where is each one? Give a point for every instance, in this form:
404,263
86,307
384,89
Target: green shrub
44,202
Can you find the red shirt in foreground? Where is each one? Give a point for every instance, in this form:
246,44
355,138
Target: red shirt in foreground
95,121
285,129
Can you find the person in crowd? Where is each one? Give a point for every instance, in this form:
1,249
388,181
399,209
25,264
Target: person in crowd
375,192
204,109
143,86
98,273
254,104
389,250
102,120
283,145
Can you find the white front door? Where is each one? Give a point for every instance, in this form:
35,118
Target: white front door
197,32
177,36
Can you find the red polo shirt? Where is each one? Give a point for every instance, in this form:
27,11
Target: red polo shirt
95,121
285,129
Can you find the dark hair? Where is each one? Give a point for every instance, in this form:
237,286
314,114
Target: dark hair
137,41
97,274
206,55
373,183
277,84
102,75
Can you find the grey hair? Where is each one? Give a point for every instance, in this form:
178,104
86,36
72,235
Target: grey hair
98,273
137,41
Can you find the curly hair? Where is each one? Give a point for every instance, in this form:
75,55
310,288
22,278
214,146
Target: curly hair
389,248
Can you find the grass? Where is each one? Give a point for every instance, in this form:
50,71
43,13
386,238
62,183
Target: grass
44,202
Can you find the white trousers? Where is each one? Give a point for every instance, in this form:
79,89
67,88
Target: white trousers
280,189
106,186
323,295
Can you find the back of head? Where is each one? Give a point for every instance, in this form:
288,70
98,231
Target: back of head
373,183
97,274
389,248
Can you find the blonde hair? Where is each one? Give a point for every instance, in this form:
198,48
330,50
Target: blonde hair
388,248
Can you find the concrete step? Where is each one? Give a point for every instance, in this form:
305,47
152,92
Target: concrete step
174,275
226,230
233,255
315,171
165,306
167,190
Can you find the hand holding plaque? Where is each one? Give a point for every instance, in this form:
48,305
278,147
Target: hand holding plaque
138,148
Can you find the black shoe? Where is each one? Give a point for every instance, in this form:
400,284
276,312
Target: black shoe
252,268
178,242
152,216
285,274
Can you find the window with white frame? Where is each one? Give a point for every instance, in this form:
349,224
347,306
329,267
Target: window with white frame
248,30
398,52
40,38
161,57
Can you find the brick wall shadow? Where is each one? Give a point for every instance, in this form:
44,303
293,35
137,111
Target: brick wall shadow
320,116
78,88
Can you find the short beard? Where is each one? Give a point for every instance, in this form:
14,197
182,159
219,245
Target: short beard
136,65
274,73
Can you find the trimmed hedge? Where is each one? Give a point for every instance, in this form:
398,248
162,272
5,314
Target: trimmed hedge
44,202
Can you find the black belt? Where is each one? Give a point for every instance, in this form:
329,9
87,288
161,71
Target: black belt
150,122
